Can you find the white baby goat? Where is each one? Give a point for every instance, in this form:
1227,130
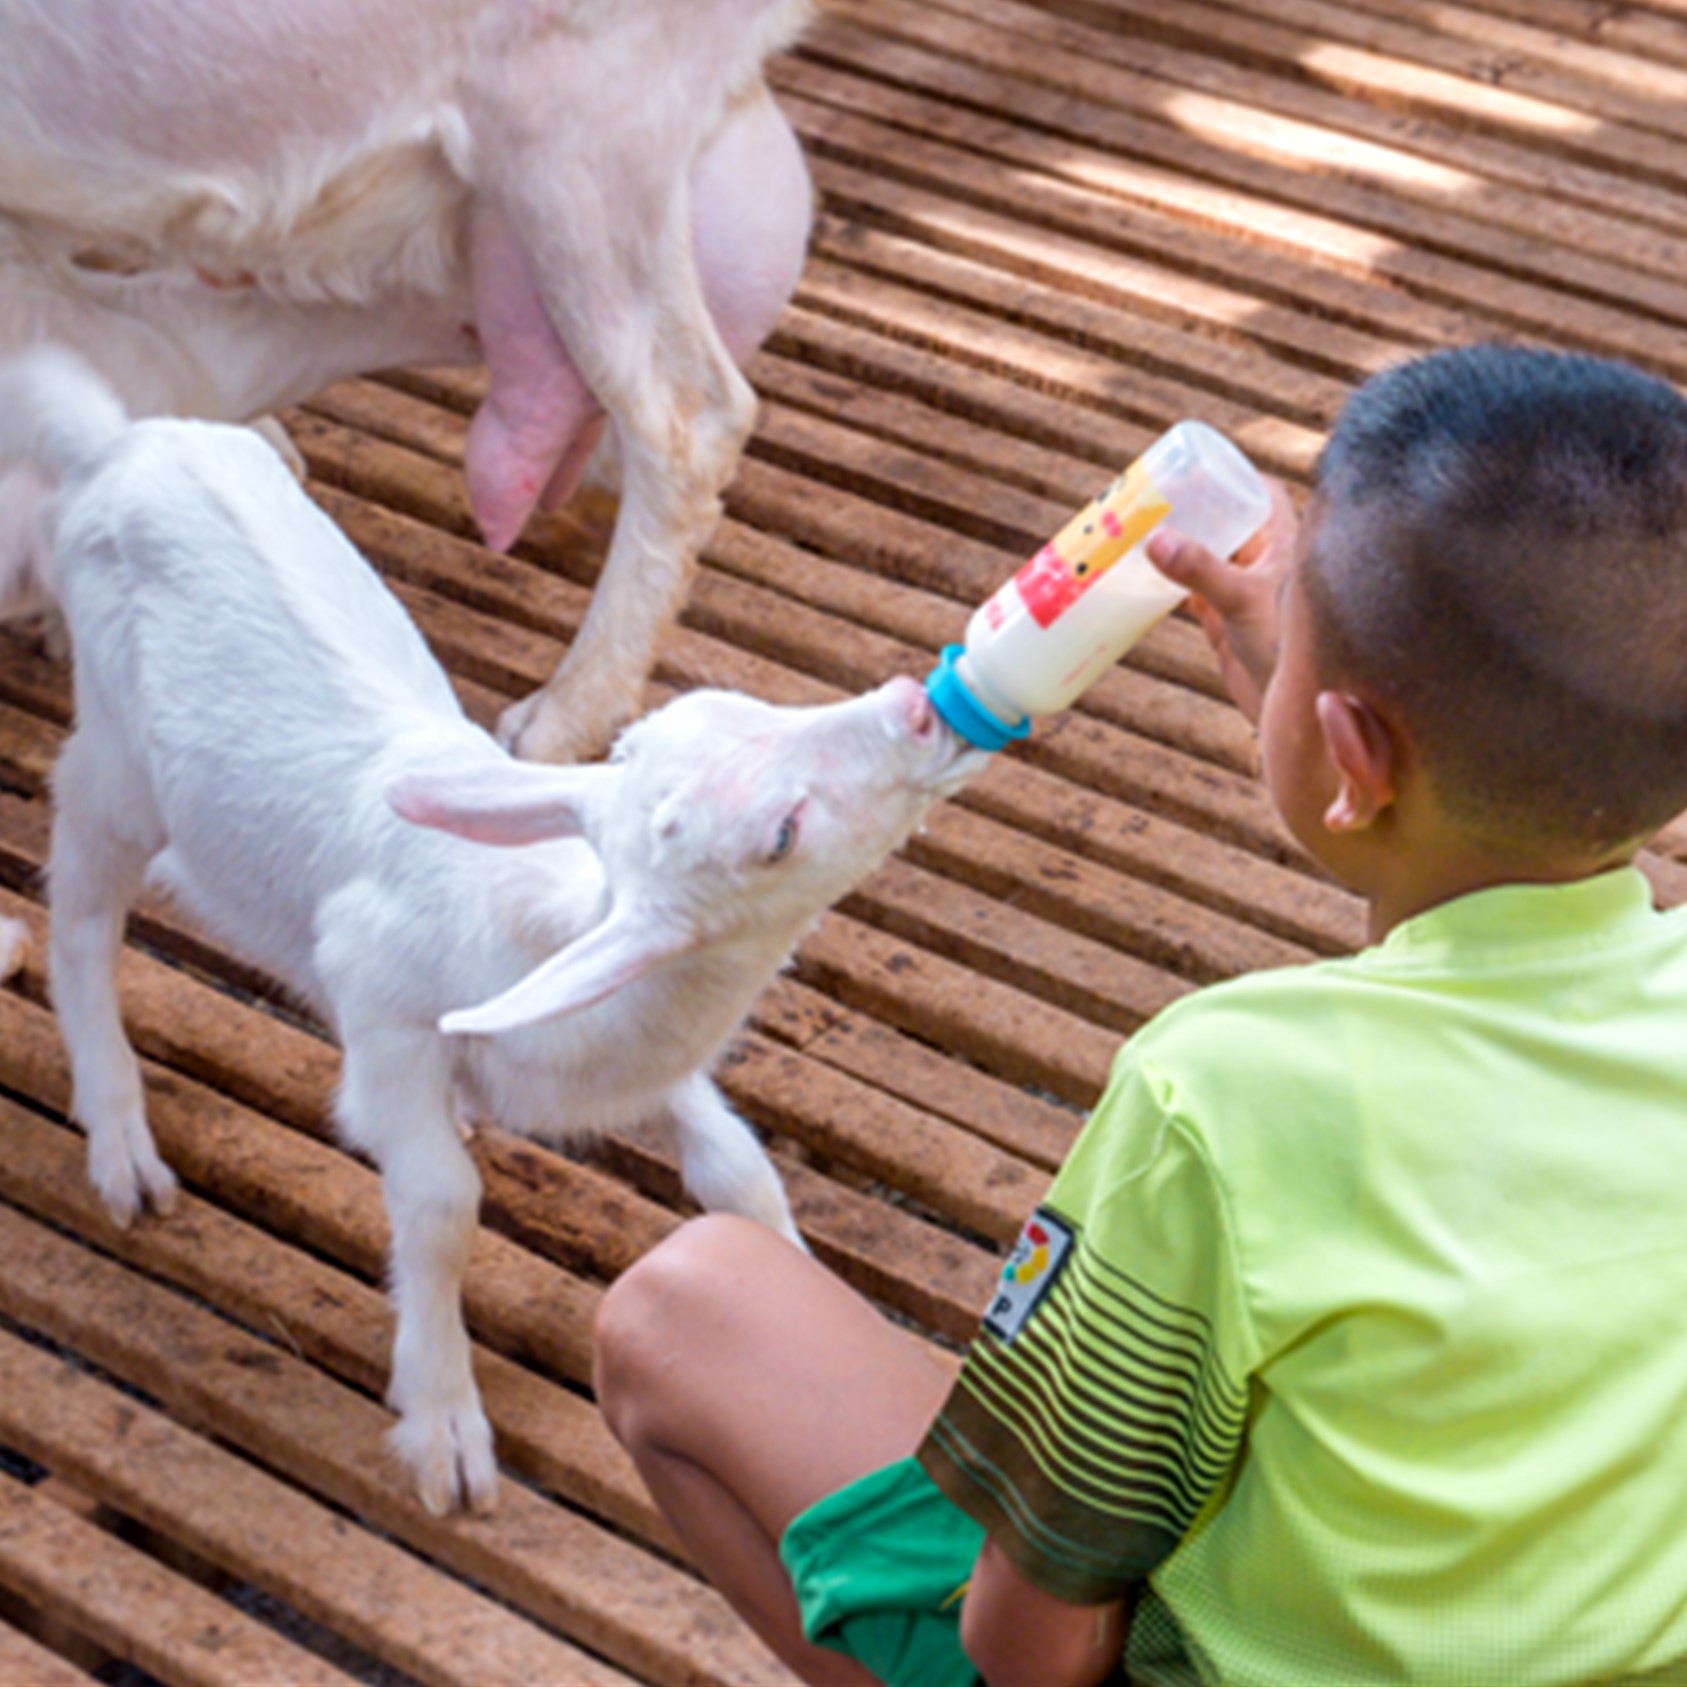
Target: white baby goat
260,725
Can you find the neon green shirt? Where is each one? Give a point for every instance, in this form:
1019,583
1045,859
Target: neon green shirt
1358,1316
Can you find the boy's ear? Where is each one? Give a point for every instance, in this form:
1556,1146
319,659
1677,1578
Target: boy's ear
1366,756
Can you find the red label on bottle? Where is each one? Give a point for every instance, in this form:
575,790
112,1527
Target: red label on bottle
1088,545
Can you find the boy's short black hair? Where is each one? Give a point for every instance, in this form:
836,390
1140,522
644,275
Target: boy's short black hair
1499,553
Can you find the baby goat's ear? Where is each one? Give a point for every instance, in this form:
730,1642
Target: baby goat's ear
501,803
610,956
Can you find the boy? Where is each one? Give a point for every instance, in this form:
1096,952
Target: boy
1350,1344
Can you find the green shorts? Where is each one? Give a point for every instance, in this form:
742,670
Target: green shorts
879,1569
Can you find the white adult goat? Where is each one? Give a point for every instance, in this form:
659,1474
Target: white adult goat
228,204
255,713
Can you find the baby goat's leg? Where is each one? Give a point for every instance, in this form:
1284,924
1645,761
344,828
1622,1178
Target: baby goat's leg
95,872
395,1102
723,1165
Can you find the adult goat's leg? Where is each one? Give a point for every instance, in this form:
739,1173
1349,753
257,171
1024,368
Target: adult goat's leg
605,231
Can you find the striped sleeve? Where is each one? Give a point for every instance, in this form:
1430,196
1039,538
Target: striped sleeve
1103,1404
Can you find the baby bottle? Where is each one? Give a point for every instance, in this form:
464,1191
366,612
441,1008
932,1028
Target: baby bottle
1090,593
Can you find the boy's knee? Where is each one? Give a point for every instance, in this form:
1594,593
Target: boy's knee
659,1309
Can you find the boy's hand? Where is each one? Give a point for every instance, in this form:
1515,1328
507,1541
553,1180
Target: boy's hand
1236,602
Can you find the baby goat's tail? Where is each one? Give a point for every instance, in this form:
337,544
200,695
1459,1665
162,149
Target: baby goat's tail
57,418
56,413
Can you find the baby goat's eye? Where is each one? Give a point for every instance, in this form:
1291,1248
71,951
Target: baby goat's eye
785,839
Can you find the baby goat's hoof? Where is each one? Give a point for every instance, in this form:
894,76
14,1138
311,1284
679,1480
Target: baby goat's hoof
449,1457
128,1175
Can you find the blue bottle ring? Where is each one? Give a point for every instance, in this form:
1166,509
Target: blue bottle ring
957,705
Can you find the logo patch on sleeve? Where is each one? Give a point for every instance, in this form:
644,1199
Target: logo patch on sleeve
1030,1272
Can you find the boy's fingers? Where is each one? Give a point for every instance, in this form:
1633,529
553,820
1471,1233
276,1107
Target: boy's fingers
1176,557
1189,564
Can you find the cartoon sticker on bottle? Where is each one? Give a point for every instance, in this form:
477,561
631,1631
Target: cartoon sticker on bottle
1029,1274
1089,544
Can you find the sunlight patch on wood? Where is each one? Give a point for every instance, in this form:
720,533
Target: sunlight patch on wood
1311,146
1408,84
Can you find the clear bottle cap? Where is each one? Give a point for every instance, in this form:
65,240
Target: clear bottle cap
1216,494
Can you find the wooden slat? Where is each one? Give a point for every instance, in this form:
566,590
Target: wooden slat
1470,120
265,1532
31,1664
1108,113
172,1628
258,1396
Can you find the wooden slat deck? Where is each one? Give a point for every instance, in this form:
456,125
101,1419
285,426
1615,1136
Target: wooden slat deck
1045,232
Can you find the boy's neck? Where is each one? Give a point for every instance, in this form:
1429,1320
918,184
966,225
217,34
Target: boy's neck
1428,880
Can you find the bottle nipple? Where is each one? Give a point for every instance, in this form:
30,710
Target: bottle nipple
958,702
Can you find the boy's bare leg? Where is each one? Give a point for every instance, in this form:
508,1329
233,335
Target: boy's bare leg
748,1382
